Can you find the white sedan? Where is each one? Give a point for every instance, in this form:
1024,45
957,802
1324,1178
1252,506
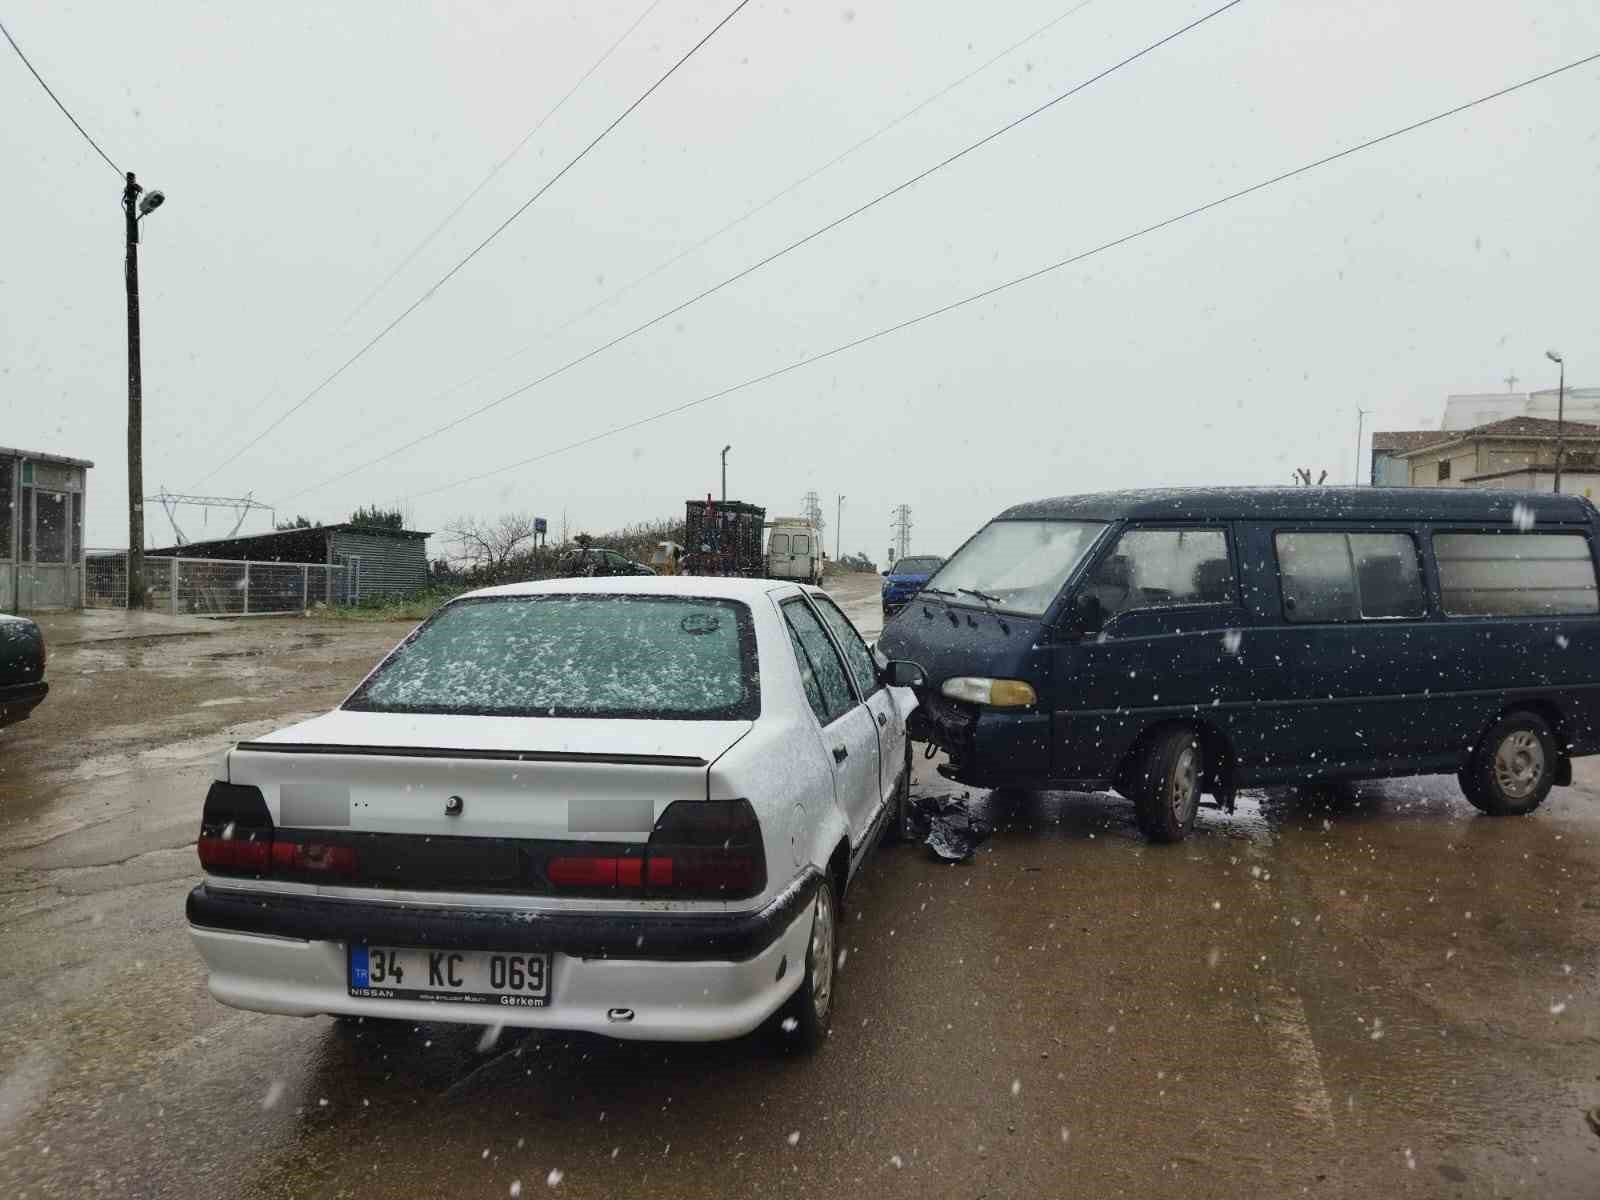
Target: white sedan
628,806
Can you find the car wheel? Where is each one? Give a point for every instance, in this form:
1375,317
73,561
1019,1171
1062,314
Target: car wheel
802,1022
899,827
1165,785
1513,768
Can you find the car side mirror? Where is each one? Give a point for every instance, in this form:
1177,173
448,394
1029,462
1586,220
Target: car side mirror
1088,613
885,574
903,673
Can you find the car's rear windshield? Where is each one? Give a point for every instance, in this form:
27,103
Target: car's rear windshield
662,657
916,566
1020,565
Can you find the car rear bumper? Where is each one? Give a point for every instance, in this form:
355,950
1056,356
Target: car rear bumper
648,976
18,700
632,999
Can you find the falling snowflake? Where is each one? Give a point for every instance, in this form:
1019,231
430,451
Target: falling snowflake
1016,1087
1231,640
794,1138
839,962
1522,517
1558,1008
274,1094
1561,641
896,1161
554,1178
1213,956
1411,1162
789,1024
516,1187
491,1035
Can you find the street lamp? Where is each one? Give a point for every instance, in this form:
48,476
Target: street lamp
135,210
725,450
838,526
1561,414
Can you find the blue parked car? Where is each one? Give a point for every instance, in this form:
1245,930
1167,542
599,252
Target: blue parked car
905,579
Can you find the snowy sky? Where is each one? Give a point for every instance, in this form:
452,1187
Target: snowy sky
306,150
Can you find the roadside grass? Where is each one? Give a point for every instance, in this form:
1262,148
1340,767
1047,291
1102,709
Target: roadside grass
383,608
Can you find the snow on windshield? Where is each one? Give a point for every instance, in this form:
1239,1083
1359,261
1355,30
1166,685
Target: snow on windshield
1021,564
564,656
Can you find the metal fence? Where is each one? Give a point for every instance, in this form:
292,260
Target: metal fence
210,587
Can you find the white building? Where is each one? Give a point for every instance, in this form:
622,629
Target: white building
1470,410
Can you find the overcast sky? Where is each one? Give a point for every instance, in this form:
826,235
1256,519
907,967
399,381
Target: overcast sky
305,150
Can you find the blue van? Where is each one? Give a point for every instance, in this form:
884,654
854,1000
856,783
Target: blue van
1176,643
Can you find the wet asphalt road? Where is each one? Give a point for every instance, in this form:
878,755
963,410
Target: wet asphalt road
1387,995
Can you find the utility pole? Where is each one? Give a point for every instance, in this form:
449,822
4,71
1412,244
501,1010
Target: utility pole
135,210
902,527
838,527
130,212
1361,416
1561,414
725,450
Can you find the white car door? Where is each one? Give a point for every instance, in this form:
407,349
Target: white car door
874,693
848,729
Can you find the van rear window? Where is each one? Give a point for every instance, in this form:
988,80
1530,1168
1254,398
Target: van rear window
1349,576
1515,574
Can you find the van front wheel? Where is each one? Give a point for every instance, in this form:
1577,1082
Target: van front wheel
1513,768
1164,785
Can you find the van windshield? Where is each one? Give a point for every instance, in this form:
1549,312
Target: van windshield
1021,564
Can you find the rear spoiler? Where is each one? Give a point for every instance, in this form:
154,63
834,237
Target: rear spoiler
559,756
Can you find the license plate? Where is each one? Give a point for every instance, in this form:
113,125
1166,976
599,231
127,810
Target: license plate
464,976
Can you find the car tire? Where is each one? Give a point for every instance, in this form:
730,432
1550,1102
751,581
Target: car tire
898,828
802,1023
1513,768
1165,785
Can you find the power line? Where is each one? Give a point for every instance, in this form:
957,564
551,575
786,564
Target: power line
495,170
773,257
499,166
626,288
995,290
57,99
476,250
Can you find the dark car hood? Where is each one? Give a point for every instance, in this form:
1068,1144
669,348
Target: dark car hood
947,640
918,580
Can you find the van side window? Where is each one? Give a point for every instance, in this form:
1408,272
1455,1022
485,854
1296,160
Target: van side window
1156,568
1515,574
1349,576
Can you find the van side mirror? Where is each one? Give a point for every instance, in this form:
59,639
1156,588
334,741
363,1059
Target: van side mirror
1088,613
903,673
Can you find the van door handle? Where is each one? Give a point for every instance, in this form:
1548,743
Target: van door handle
883,721
840,753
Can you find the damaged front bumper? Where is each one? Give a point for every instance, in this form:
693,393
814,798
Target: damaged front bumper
984,747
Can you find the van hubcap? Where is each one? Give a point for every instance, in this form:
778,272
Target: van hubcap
1184,784
1519,764
822,951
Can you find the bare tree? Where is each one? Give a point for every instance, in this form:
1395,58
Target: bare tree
486,545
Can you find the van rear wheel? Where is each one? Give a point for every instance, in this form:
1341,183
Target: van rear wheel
1164,785
1513,768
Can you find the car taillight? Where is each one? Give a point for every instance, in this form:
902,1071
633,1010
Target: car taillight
707,849
699,849
235,831
237,837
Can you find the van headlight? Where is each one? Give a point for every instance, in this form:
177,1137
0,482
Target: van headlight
992,693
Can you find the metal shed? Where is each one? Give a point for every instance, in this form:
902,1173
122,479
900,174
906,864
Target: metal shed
41,530
378,562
